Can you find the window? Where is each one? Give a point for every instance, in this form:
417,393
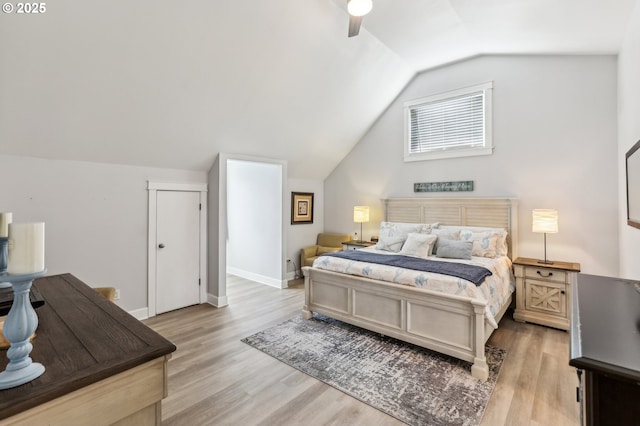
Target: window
451,124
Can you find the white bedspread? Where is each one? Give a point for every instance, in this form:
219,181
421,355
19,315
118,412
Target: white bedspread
496,288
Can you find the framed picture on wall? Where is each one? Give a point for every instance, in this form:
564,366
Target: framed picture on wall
632,158
301,207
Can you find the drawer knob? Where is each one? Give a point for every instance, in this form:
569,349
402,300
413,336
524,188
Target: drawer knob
545,276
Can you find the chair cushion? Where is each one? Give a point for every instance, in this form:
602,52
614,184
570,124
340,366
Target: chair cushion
323,250
309,261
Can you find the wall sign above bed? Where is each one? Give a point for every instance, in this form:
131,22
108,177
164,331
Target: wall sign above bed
463,185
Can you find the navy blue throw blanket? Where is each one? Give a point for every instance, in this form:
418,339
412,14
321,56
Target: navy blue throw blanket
473,273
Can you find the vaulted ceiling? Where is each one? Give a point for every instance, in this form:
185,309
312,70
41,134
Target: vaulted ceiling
172,84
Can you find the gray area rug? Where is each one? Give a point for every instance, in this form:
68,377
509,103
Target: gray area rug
410,383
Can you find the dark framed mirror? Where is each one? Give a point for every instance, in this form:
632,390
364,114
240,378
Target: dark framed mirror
633,185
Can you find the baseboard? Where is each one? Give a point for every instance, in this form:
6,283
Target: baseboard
273,282
294,275
216,301
140,314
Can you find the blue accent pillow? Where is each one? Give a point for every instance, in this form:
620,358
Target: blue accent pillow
453,249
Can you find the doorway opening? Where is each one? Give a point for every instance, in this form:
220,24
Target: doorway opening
251,229
254,221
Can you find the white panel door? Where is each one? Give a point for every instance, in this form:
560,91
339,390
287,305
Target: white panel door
177,250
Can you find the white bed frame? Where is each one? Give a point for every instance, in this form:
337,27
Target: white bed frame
445,323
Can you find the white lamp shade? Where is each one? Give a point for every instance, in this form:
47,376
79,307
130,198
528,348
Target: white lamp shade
359,7
26,248
361,214
545,221
5,220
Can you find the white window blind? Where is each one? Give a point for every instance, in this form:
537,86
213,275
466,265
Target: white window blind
449,124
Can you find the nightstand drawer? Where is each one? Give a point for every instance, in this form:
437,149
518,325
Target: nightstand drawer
356,245
546,274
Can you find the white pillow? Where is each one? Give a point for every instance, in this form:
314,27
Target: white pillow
418,245
393,234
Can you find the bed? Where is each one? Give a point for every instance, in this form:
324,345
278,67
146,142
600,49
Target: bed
457,325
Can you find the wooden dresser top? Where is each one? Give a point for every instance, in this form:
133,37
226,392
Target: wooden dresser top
605,326
82,338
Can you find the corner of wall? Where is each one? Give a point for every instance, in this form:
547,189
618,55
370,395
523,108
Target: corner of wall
140,314
218,302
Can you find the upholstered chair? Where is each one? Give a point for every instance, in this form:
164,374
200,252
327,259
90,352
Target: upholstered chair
108,293
327,242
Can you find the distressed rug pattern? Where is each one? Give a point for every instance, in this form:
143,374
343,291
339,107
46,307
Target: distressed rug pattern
410,383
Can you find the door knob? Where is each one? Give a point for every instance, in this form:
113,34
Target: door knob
161,246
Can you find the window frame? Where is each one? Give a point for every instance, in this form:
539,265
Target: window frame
486,149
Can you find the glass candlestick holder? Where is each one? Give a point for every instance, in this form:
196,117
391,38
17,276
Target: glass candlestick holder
20,324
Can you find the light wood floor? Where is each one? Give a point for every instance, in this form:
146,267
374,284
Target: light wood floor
215,379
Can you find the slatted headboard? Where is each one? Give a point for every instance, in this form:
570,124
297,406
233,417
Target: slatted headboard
483,212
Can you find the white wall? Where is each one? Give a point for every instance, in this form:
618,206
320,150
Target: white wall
306,234
554,131
217,285
145,83
628,134
95,217
254,221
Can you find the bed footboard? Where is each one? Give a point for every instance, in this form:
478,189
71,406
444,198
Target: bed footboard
449,324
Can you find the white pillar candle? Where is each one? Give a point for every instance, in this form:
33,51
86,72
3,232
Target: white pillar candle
26,248
5,220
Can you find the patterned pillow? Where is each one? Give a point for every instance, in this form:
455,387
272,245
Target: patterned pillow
418,245
471,231
502,249
485,243
428,227
393,235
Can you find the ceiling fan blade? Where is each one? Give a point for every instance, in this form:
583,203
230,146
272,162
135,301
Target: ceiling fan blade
354,25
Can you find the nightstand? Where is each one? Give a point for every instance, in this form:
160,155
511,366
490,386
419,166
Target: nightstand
356,245
543,291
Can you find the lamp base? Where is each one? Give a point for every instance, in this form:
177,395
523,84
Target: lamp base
20,324
545,261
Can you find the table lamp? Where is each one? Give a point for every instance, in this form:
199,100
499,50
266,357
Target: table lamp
360,215
545,221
